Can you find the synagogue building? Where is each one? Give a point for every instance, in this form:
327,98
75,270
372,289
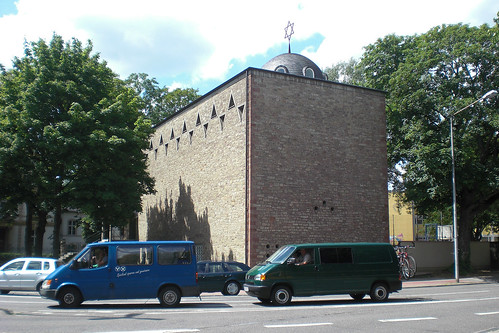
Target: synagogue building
273,156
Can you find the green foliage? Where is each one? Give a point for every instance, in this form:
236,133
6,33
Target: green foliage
71,134
346,72
159,103
429,77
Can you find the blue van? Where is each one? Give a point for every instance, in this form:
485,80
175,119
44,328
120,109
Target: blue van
126,270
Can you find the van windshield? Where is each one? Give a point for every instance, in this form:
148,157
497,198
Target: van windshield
281,255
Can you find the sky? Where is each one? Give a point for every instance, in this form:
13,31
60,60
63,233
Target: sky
200,44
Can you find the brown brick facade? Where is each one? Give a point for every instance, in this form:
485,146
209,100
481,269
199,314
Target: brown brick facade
285,159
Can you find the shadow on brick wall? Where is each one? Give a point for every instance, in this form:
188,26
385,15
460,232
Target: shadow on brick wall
181,223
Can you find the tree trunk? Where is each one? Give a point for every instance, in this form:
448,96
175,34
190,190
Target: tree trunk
40,231
57,232
466,215
28,231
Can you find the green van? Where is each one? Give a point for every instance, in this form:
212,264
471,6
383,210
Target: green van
325,269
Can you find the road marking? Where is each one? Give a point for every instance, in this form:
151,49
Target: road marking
487,313
405,319
297,325
181,330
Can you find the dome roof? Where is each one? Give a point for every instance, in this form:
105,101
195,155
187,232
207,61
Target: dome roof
296,64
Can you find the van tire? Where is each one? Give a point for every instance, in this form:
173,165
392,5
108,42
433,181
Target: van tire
231,288
281,295
169,296
69,297
357,297
379,292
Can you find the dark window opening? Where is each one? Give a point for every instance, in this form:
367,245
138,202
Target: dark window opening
231,102
240,110
205,129
309,72
222,120
281,69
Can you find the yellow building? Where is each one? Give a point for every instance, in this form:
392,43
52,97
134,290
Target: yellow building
401,219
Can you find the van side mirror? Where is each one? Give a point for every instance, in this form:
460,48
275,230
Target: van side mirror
74,265
291,261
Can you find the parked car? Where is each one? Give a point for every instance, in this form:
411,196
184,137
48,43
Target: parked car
224,276
26,273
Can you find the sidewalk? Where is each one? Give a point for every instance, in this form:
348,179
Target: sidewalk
426,280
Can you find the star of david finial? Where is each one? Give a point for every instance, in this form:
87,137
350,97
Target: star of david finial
288,32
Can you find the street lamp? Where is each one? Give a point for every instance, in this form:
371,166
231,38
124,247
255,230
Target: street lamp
490,94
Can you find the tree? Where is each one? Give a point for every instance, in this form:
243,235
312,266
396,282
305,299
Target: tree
428,77
345,72
71,136
159,103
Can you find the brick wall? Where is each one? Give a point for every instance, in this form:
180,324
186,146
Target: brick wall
306,157
200,176
317,163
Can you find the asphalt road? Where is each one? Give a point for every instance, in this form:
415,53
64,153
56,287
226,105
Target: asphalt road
451,308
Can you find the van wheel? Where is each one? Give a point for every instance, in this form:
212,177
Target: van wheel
281,295
357,297
70,297
379,292
231,288
169,296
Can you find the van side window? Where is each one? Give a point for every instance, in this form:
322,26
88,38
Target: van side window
134,255
174,254
336,255
98,255
377,254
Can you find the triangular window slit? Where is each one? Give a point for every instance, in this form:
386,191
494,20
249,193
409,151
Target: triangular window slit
231,102
240,110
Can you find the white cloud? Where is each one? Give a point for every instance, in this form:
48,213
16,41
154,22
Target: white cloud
198,40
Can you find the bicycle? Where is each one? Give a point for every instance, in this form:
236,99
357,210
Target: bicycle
407,263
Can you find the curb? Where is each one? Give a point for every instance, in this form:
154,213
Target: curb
442,282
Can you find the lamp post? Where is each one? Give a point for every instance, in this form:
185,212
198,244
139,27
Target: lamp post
490,94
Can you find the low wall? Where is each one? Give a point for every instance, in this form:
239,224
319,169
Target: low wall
438,256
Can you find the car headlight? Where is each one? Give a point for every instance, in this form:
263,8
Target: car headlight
260,277
46,284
